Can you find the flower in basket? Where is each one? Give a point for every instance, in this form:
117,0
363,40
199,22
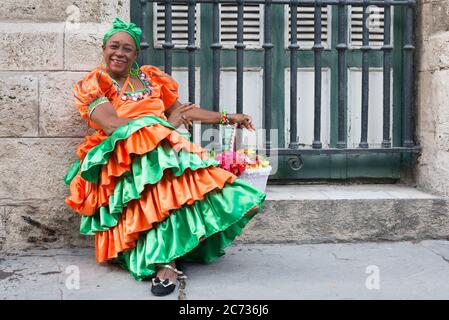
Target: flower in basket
254,160
232,161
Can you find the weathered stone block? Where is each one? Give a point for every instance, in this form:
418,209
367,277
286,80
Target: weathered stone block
440,94
18,104
63,10
29,46
433,117
433,53
426,117
40,224
58,115
34,168
440,15
83,47
115,8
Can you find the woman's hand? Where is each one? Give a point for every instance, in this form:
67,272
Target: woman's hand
178,116
243,120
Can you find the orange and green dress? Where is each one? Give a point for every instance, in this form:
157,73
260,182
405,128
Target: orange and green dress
147,193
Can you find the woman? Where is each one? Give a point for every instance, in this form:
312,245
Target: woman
148,194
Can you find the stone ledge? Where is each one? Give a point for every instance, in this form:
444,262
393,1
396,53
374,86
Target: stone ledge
338,214
345,192
332,214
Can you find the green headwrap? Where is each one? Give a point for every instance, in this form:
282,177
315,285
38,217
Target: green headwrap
121,26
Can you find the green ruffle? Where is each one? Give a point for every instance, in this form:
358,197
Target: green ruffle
101,221
73,171
149,168
219,218
100,154
146,169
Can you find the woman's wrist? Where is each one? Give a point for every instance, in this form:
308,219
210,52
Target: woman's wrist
233,118
226,118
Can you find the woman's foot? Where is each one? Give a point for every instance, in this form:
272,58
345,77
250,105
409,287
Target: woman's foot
165,281
167,272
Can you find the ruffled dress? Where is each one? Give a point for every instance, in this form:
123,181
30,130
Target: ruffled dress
146,192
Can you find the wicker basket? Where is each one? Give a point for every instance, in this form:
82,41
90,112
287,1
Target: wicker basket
256,177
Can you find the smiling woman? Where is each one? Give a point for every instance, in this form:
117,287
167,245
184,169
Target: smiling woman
147,193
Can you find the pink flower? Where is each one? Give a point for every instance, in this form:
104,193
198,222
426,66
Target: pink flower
232,161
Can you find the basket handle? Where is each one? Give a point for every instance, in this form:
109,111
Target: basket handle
232,139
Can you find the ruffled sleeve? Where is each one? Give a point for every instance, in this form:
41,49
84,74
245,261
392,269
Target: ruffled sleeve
169,86
94,89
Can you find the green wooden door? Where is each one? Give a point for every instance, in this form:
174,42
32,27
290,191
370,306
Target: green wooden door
316,166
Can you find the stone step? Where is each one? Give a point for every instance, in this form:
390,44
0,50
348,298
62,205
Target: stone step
302,214
348,213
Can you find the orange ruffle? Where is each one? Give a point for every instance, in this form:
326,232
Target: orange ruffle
83,196
143,141
156,201
86,197
90,142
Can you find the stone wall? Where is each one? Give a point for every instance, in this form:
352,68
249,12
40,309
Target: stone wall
45,47
432,95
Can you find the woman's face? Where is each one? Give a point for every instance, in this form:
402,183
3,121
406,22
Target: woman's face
119,53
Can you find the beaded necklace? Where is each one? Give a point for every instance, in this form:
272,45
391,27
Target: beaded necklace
139,94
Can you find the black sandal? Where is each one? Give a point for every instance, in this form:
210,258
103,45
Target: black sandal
165,287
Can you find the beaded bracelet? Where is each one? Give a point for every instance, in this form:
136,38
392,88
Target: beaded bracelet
95,104
225,118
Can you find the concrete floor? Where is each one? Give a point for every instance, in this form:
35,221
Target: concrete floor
396,270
